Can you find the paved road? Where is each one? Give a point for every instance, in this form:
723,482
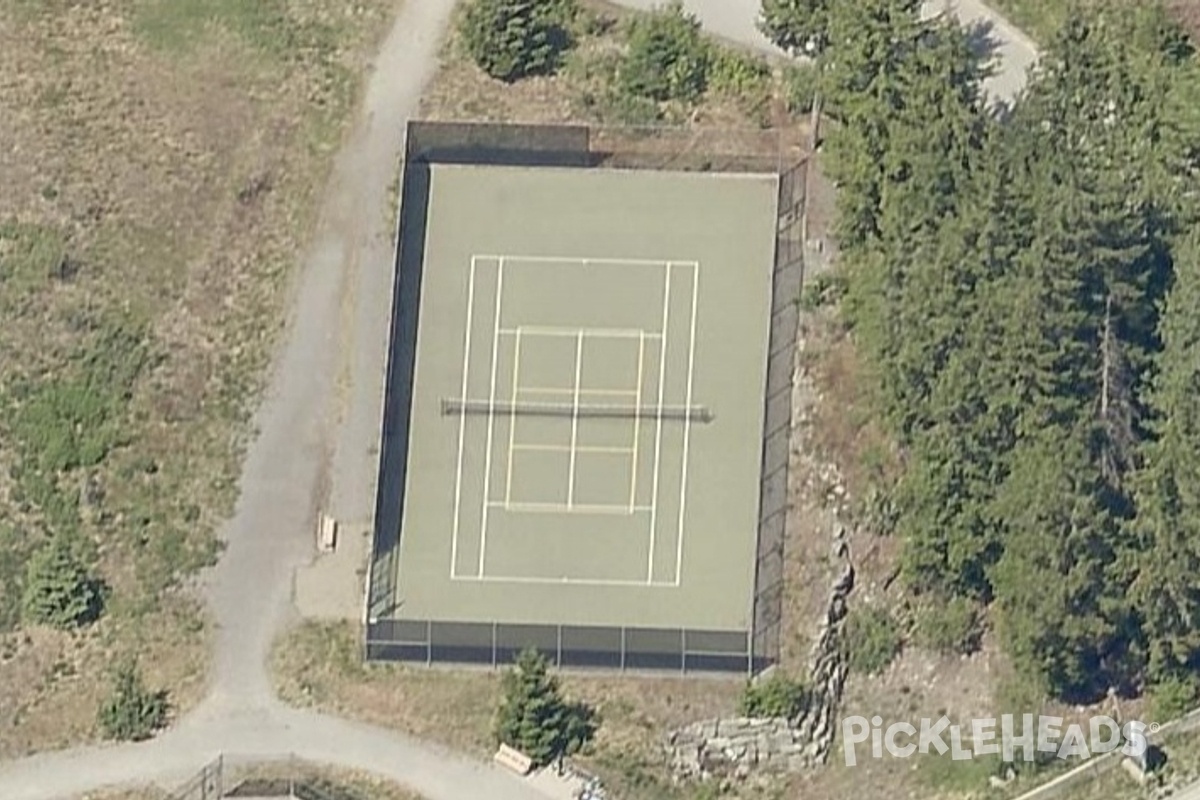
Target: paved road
1014,52
316,446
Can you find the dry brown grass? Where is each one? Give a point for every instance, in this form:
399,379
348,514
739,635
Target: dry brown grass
146,793
318,665
176,161
273,778
268,778
1188,14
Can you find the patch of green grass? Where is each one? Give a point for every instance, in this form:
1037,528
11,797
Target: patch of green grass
276,30
970,777
871,639
174,26
14,551
72,421
30,257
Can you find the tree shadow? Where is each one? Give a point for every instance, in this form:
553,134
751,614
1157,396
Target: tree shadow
981,38
98,593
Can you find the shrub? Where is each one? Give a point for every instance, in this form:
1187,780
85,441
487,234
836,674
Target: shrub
1173,697
777,696
823,289
616,108
949,626
667,58
59,591
801,82
737,74
132,712
510,39
77,418
870,640
535,718
592,23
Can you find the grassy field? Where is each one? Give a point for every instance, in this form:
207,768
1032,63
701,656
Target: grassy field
160,161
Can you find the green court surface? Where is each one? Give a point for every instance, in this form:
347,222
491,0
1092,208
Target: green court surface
587,414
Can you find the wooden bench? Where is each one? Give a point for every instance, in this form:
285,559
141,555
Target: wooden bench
513,759
327,533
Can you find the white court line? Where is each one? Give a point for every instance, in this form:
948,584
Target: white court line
578,508
662,380
575,421
687,426
603,333
637,423
583,448
487,460
580,261
462,424
512,423
561,581
582,392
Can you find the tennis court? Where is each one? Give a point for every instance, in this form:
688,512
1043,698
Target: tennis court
585,444
577,401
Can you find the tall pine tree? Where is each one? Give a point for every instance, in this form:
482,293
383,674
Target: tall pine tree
1165,590
533,716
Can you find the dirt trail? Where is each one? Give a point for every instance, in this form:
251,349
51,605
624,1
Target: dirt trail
343,287
337,330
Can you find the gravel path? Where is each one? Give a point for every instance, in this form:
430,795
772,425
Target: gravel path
286,475
337,336
318,431
1014,52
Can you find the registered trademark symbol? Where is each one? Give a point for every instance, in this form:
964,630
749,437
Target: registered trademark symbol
1154,726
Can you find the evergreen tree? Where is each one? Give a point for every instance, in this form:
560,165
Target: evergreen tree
801,27
667,58
1051,585
534,717
1165,589
871,47
902,162
59,590
510,39
1003,283
1100,110
132,712
797,26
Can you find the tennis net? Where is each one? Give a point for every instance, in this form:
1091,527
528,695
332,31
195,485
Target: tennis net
694,413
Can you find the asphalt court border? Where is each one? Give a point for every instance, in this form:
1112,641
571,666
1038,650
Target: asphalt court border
509,331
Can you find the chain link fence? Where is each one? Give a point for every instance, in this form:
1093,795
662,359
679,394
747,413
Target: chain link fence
763,151
266,776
